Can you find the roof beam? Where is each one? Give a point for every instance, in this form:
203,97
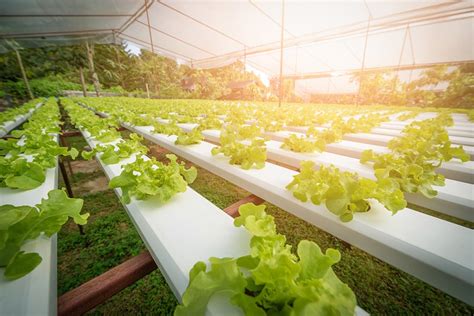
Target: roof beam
326,74
63,15
176,38
202,23
172,53
51,34
135,16
379,25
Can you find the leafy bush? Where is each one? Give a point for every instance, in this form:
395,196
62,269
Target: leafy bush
44,87
117,89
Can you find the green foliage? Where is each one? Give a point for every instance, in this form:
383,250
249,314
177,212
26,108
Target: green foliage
209,122
193,137
18,173
380,88
111,239
42,87
316,139
13,113
302,144
19,224
271,279
386,88
104,130
53,69
146,178
344,193
112,154
459,93
242,146
414,157
43,62
26,156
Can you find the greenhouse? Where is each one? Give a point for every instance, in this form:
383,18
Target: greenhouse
236,157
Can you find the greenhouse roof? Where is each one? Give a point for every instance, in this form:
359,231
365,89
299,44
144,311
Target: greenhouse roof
328,38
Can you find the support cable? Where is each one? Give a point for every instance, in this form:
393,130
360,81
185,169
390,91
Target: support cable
149,27
363,58
282,38
400,59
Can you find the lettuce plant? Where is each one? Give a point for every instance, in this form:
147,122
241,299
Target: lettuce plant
19,224
271,279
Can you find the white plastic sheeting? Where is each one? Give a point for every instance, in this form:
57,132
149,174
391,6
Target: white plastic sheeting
320,36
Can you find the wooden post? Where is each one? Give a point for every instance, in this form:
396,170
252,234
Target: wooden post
95,78
23,73
147,90
83,83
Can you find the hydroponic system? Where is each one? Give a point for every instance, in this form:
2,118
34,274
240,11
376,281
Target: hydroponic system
395,182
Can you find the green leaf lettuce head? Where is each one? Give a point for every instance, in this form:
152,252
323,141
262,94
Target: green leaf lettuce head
112,154
18,224
25,157
271,280
344,193
20,174
415,156
146,178
248,154
193,137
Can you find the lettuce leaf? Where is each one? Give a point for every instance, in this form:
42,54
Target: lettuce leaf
19,224
271,280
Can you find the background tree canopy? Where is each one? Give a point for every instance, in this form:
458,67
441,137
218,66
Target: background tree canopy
54,69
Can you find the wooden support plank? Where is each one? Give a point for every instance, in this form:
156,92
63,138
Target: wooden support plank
98,290
233,209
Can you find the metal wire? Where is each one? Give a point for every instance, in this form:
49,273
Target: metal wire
282,40
149,27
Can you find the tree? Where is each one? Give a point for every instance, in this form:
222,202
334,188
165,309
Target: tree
380,88
459,93
288,89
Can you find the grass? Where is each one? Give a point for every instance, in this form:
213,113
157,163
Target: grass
111,239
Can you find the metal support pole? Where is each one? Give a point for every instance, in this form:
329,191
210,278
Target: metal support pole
363,59
282,38
149,27
400,59
23,73
412,54
83,82
90,58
